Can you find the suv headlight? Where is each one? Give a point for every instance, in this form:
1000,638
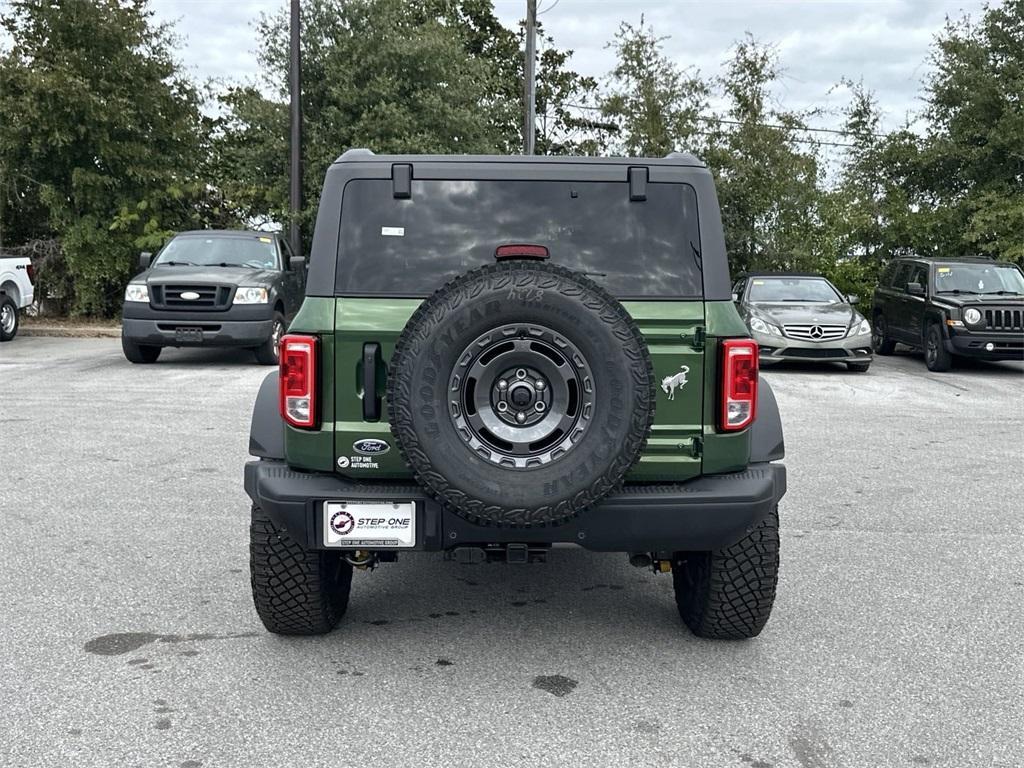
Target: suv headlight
972,316
760,326
137,292
863,328
248,294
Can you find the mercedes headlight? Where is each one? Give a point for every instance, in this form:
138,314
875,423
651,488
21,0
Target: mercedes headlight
137,292
972,316
863,328
760,326
251,295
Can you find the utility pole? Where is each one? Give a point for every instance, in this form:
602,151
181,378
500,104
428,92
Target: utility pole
295,87
530,79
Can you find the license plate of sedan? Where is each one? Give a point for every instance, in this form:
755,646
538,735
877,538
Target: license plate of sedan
377,525
188,334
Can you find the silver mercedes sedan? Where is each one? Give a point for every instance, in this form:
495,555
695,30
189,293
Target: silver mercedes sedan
803,317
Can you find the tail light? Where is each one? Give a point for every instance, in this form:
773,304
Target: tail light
738,384
298,371
31,270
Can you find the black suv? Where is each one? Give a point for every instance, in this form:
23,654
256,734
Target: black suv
950,307
218,288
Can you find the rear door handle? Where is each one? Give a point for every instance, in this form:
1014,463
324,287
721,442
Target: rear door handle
371,401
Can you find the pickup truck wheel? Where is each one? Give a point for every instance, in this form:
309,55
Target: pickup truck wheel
8,318
935,355
267,353
880,342
520,394
728,593
296,591
139,353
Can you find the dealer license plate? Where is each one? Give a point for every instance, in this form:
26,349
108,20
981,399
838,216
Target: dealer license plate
369,524
188,334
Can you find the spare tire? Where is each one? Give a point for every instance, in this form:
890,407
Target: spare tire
520,394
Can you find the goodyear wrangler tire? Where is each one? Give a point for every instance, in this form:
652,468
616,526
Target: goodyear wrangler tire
520,394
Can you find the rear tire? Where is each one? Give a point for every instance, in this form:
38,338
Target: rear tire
296,591
267,353
8,318
727,594
880,342
142,354
858,367
935,355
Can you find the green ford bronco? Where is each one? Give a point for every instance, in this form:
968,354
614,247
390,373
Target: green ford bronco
497,355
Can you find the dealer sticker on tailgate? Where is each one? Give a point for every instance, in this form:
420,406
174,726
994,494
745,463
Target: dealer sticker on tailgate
369,524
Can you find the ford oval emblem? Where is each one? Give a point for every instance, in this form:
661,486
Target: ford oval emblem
370,446
189,295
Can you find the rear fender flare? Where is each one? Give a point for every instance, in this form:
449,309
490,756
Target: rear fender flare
766,441
266,433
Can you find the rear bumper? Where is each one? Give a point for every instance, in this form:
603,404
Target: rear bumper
710,512
216,333
1005,346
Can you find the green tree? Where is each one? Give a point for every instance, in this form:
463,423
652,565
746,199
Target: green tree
655,105
972,164
100,140
768,182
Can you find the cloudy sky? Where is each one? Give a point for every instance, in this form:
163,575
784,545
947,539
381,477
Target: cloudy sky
885,42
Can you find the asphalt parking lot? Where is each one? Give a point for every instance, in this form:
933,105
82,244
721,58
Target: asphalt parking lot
129,637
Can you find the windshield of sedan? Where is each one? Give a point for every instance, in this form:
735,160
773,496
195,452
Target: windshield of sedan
219,251
805,290
978,279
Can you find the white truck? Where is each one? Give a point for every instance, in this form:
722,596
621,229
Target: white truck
16,292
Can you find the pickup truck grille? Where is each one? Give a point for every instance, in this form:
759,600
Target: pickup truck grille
210,296
1004,319
815,332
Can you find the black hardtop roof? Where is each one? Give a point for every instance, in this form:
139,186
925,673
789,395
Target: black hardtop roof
672,159
226,233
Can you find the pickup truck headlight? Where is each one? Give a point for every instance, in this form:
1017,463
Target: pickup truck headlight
972,316
760,326
137,292
863,328
248,294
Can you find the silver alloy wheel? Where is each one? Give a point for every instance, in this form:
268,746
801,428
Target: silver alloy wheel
7,318
931,348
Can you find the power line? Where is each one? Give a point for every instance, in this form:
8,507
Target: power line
549,8
777,126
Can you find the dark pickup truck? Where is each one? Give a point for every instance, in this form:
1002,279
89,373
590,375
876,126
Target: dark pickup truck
217,288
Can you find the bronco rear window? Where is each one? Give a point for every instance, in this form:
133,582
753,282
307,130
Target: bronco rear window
411,247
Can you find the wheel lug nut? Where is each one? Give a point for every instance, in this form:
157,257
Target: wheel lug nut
520,417
539,406
502,406
502,385
539,384
521,373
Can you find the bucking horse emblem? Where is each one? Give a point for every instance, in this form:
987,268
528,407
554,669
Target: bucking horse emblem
670,384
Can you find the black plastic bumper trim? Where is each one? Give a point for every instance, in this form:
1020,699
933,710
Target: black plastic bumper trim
710,512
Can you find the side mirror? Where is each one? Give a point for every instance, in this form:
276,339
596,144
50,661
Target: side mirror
144,259
915,289
852,298
297,263
735,297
